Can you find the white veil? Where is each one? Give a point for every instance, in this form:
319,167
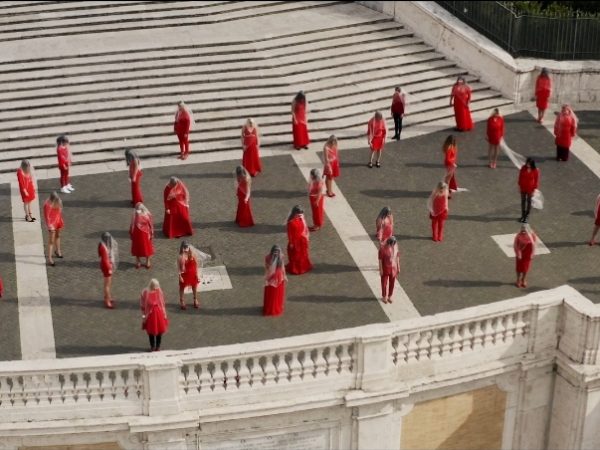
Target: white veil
113,248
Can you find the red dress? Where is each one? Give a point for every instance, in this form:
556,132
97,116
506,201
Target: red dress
450,163
105,264
597,215
181,127
564,130
1,288
462,114
188,269
528,180
376,130
297,249
495,129
135,175
332,163
64,161
153,307
177,222
53,217
389,261
438,216
26,186
524,246
274,293
316,197
385,229
251,157
243,216
543,90
141,233
300,125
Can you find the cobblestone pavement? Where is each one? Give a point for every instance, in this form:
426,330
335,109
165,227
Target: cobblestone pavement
469,268
333,296
9,314
588,127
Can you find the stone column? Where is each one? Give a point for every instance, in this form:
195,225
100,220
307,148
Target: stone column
378,425
161,382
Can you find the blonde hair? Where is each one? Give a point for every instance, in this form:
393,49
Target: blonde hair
154,284
332,141
250,123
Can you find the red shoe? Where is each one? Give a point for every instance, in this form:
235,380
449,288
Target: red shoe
523,284
109,304
196,304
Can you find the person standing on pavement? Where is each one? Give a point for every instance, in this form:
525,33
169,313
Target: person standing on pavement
376,132
154,314
182,126
63,152
398,105
529,180
543,91
524,246
495,133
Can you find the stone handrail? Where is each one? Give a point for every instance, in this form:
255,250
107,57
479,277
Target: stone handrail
329,365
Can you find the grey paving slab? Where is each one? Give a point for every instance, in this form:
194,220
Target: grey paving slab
469,268
9,314
589,127
333,296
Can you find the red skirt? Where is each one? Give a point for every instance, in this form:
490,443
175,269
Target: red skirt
300,132
317,211
189,279
299,260
332,170
136,191
106,269
177,223
377,144
243,216
523,265
156,323
251,160
141,244
273,300
597,221
541,100
462,114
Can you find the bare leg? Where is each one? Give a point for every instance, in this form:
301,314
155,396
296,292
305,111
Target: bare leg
137,262
496,152
328,185
148,262
57,243
107,294
379,157
196,301
523,282
51,239
490,156
181,301
27,210
371,159
594,233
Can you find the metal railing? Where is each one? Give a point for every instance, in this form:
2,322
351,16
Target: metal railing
560,38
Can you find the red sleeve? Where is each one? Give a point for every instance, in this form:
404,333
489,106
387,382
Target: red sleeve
556,126
165,195
384,127
521,177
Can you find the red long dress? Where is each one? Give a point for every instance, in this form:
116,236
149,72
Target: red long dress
597,212
297,249
462,113
376,130
274,293
105,264
188,269
181,127
64,161
135,175
543,90
450,163
332,162
438,215
388,255
1,288
142,233
26,186
565,129
152,304
528,180
495,129
53,217
524,246
385,229
251,157
177,222
243,216
317,199
300,125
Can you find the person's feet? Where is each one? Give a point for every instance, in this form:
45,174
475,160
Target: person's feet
377,164
108,303
313,228
370,165
182,305
196,304
51,263
592,242
65,190
330,194
58,255
148,265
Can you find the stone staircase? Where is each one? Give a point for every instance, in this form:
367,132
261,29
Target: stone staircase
116,98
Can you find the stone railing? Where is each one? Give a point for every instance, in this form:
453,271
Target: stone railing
331,367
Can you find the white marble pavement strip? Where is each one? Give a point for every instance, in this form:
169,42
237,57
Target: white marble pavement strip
357,241
35,316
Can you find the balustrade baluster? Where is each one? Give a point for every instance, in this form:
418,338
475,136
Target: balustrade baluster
500,330
457,341
412,347
424,345
477,336
446,342
435,345
488,333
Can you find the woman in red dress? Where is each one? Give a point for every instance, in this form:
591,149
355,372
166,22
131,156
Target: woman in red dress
188,273
154,314
524,246
596,221
543,90
495,133
26,188
275,279
63,152
376,132
135,176
438,210
54,223
317,199
565,129
331,169
384,225
108,250
177,221
182,126
251,145
460,97
529,180
1,288
141,232
243,216
389,267
298,243
450,155
300,122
